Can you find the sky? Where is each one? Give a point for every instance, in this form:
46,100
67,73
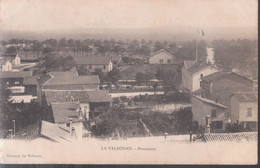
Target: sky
56,15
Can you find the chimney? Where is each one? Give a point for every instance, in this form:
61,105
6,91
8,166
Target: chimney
70,125
73,134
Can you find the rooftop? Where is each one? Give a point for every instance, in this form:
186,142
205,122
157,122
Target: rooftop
198,66
54,132
160,51
46,129
188,64
66,73
63,112
221,74
246,96
18,74
99,96
67,78
29,80
93,60
208,101
79,96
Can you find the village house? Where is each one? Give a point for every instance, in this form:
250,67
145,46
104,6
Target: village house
5,65
217,89
92,103
162,57
47,131
69,114
243,109
193,72
94,63
221,85
22,85
205,109
63,81
70,81
13,58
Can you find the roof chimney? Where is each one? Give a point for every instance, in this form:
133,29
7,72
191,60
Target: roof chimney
70,124
73,134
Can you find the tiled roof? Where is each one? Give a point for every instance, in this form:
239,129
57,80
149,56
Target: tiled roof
210,101
246,96
196,67
67,96
94,60
54,132
66,73
79,96
29,80
46,129
99,96
188,63
222,74
19,74
160,51
43,78
72,80
63,112
233,137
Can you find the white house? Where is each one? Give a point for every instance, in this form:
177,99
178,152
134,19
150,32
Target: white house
94,63
162,57
5,65
13,58
193,72
244,109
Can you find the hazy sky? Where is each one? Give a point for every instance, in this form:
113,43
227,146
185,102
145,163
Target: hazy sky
41,15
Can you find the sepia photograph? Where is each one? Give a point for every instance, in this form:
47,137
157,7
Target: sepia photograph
129,82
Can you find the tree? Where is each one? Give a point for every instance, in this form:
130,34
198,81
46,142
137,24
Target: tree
100,74
139,77
62,43
157,46
11,49
114,76
147,77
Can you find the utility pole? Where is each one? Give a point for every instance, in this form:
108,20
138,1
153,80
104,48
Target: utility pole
14,126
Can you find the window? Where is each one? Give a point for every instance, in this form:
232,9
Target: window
90,66
201,75
16,82
249,112
168,61
161,61
104,67
213,113
67,124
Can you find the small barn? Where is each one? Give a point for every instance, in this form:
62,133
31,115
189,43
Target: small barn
162,57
